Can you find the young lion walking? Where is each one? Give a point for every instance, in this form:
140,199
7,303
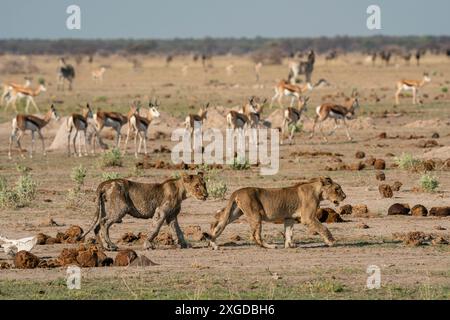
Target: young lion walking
297,203
159,201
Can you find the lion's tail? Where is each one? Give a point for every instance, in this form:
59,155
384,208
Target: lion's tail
98,211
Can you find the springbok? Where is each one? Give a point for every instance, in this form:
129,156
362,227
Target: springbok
292,117
258,67
140,127
284,88
7,87
253,110
196,120
18,92
336,112
114,120
97,75
237,120
411,85
24,122
65,72
78,122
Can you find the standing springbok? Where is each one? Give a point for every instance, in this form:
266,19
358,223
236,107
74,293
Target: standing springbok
411,85
114,120
7,87
65,72
237,120
284,88
97,75
258,67
336,112
78,122
18,92
196,120
140,126
253,110
292,117
24,122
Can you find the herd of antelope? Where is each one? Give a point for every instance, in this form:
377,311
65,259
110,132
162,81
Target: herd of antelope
248,116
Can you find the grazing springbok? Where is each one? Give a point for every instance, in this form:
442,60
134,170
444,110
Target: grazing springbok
114,120
336,112
78,122
284,88
97,75
140,127
18,92
411,85
7,87
24,122
291,117
65,72
196,120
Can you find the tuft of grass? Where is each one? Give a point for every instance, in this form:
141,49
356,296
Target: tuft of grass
101,99
240,164
20,195
111,158
444,89
78,175
110,176
428,183
298,127
407,162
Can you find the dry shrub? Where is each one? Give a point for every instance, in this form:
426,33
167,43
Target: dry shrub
380,176
194,232
419,210
142,261
398,209
417,238
440,211
328,215
385,191
165,238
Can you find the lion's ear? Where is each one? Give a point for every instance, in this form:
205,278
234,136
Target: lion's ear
326,181
186,177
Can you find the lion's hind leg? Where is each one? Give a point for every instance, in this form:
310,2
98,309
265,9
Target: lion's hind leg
222,221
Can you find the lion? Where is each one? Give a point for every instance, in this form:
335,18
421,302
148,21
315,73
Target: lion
161,201
298,203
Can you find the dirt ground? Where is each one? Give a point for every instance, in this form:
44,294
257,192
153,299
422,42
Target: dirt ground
240,269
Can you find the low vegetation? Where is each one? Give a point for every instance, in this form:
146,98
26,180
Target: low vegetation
20,195
110,176
407,162
111,158
240,164
428,183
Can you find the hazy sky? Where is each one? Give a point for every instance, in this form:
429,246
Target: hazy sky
220,18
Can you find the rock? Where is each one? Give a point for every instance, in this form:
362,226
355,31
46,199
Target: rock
51,240
382,135
125,257
129,237
142,261
396,186
438,240
440,211
419,211
370,161
328,215
429,165
435,135
380,176
360,155
345,209
357,166
25,260
194,232
359,210
41,238
5,265
362,225
385,191
165,238
379,164
88,258
439,228
398,209
68,257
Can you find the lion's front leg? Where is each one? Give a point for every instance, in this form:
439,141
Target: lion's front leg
309,219
159,217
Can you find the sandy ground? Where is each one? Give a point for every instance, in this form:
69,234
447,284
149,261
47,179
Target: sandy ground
241,262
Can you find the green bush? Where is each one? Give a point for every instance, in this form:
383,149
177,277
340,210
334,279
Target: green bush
78,175
20,195
407,162
298,127
240,164
428,183
444,89
217,189
110,176
111,158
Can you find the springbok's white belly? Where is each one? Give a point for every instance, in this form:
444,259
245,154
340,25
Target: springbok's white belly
406,87
289,93
336,115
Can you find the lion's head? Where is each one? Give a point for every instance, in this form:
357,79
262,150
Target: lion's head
195,185
332,191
